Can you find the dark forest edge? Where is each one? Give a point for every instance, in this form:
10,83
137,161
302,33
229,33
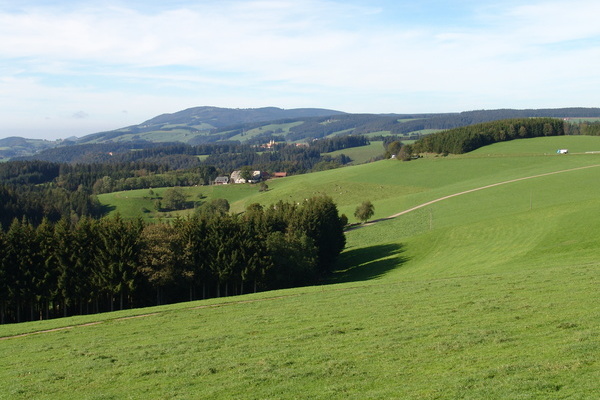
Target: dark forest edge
469,138
90,266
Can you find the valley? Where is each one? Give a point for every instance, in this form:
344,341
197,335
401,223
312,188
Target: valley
490,294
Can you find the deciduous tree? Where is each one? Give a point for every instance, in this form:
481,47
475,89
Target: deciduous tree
364,211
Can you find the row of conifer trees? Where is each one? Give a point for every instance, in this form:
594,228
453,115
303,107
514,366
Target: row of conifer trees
468,138
67,268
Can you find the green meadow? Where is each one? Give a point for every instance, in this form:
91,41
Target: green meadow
362,154
492,294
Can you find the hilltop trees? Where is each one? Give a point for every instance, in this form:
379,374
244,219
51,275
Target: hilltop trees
469,138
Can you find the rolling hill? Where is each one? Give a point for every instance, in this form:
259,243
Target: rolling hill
201,125
12,147
490,294
197,124
212,124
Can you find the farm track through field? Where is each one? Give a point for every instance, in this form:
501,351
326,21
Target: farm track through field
474,190
293,295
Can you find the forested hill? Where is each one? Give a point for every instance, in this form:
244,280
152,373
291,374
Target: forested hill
204,125
222,117
468,138
201,125
196,122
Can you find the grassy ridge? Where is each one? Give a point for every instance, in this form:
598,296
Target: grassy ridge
492,294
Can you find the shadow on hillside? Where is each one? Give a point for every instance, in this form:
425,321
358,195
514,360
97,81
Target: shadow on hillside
368,262
106,209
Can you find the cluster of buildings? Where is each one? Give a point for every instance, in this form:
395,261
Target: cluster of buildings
257,176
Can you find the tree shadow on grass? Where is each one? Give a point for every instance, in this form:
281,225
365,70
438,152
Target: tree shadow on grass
106,209
368,263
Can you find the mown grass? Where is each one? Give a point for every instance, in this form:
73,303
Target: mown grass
492,294
362,154
537,146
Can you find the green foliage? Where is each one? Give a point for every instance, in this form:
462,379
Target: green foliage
174,199
393,148
213,207
364,211
68,267
465,139
405,153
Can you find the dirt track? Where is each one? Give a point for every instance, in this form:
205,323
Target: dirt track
279,297
475,190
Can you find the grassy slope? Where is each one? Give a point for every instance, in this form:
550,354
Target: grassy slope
493,294
277,129
362,154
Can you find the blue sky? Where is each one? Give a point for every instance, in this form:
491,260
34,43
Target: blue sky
77,67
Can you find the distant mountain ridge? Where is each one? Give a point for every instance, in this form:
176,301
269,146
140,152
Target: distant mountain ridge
221,117
201,121
207,124
15,146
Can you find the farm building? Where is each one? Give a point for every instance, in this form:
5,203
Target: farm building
236,177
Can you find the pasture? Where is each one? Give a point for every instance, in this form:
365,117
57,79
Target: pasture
362,154
491,294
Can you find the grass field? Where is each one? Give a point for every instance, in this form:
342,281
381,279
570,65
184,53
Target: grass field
493,294
546,146
391,185
362,154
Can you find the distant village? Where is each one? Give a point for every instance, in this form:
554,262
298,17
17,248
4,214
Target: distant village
239,176
257,176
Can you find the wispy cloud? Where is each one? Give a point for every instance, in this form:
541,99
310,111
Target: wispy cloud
376,56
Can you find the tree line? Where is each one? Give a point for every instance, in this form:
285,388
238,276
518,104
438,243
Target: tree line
87,266
339,143
583,128
468,138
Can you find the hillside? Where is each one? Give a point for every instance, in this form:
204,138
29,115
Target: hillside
203,125
196,125
13,146
391,185
212,124
491,294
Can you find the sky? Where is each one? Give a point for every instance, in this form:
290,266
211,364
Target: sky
71,68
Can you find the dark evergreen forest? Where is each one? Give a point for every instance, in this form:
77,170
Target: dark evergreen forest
469,138
88,266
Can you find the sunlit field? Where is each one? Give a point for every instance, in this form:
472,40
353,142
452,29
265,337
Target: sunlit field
490,294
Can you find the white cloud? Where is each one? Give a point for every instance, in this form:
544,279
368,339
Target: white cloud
294,53
80,115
